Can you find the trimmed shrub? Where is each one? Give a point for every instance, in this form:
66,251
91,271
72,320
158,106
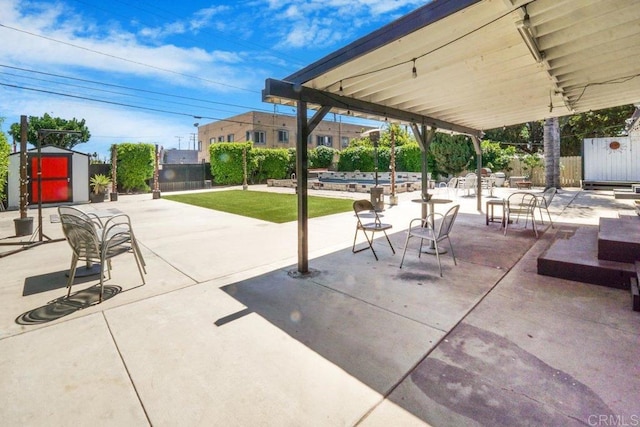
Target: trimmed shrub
269,163
226,162
135,166
409,158
321,157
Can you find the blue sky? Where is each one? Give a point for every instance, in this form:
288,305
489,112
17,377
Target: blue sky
141,71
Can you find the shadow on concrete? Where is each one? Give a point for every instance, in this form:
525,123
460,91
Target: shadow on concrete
372,319
50,281
64,306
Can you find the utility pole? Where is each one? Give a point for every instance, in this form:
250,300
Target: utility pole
179,139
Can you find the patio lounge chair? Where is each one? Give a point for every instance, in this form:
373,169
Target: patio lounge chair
435,228
98,244
519,204
360,207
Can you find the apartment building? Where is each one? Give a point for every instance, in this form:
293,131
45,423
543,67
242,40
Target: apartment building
270,130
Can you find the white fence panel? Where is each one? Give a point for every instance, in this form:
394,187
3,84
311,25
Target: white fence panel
612,159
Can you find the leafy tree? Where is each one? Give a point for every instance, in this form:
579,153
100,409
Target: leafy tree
451,153
135,166
5,149
401,136
573,129
527,137
494,156
532,162
592,124
57,123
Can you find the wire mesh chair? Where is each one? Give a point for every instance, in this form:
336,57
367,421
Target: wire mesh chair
434,229
115,238
519,204
359,207
544,200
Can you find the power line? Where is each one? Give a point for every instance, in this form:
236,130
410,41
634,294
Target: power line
122,104
127,60
128,88
135,90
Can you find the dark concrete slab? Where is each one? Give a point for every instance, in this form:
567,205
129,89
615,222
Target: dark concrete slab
573,255
619,239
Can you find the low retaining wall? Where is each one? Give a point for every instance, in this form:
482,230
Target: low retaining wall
346,186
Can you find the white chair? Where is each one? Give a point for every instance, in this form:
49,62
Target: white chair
359,207
470,183
517,205
452,185
434,229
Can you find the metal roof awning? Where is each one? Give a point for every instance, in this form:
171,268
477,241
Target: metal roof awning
471,65
484,64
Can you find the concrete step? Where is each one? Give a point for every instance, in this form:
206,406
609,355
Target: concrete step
573,255
619,239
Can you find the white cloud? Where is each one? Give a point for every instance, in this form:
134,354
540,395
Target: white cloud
317,24
53,37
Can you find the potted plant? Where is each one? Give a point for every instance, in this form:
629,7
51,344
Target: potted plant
99,185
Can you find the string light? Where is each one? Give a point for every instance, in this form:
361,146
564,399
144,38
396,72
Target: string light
414,72
340,89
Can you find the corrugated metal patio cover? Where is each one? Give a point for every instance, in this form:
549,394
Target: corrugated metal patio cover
490,63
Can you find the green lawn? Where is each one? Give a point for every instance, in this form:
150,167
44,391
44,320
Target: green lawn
273,207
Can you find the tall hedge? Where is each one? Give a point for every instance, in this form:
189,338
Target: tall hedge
226,162
269,163
409,158
5,149
135,166
321,157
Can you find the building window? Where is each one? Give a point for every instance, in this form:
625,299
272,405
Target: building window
230,137
199,145
257,136
344,141
324,140
211,140
283,136
221,139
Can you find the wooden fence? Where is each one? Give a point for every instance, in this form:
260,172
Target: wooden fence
570,171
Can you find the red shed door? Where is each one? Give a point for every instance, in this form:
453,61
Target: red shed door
56,178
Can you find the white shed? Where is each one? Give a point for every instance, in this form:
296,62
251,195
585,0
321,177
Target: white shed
65,176
613,158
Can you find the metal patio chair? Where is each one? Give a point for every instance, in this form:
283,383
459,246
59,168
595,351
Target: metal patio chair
434,229
520,204
359,207
544,200
98,244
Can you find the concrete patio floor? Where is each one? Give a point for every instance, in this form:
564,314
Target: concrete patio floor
222,335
